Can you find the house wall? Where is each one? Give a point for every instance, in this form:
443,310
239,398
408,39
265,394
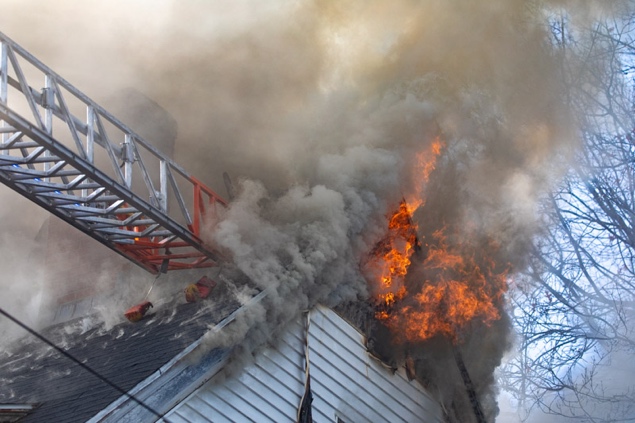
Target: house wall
345,381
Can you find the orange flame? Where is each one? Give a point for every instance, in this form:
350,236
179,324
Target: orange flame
394,252
426,162
396,249
459,291
457,288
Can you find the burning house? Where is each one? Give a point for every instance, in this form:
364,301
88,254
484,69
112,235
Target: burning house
165,370
390,170
166,364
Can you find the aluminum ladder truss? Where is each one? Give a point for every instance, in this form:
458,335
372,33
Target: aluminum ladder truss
96,173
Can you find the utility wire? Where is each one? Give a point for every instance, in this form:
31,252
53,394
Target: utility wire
82,365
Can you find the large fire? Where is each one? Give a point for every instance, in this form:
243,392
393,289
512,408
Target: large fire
394,251
458,288
457,285
394,254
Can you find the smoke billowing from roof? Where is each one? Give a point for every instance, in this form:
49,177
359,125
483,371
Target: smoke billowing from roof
318,108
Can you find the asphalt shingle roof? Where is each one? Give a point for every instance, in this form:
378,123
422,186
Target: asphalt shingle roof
126,354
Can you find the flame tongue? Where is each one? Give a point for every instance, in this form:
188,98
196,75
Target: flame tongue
393,259
392,255
454,288
456,291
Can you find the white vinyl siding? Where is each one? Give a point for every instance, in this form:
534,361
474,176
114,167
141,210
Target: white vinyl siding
345,381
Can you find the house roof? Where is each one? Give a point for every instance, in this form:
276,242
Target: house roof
126,354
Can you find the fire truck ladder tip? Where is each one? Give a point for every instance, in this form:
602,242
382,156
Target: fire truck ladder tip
67,154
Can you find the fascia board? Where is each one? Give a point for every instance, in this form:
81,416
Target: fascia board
175,380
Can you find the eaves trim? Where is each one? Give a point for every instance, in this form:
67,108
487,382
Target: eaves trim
174,381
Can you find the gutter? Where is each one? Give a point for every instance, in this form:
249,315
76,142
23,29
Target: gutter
15,412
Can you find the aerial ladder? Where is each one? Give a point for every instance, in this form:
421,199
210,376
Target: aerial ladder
69,155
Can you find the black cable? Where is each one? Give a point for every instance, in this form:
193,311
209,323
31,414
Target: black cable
82,365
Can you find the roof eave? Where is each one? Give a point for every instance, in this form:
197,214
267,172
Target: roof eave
174,381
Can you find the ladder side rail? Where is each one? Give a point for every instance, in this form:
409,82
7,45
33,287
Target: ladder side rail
100,137
89,102
103,201
58,212
104,180
124,242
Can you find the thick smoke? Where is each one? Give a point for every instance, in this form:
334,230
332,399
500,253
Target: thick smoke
23,283
481,78
318,108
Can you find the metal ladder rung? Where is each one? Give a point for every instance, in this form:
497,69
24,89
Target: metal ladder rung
58,171
133,234
25,173
52,186
26,160
19,144
115,222
69,198
84,210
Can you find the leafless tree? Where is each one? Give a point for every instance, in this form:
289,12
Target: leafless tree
574,305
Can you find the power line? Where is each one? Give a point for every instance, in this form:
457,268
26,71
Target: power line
82,365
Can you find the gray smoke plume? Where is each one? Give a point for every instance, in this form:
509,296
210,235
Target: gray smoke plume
318,108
